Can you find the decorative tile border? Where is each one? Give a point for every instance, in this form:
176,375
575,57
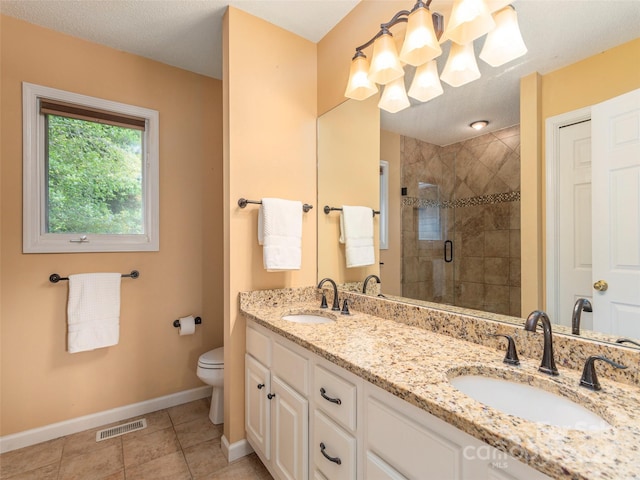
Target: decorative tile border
462,202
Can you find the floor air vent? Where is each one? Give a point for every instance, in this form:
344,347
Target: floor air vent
120,430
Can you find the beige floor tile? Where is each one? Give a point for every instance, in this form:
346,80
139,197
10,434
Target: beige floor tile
259,468
30,458
196,410
94,465
50,472
116,476
142,449
85,442
155,421
170,467
239,470
178,443
197,431
205,458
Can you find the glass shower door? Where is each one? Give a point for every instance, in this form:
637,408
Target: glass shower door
428,226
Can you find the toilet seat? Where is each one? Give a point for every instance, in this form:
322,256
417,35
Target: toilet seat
212,360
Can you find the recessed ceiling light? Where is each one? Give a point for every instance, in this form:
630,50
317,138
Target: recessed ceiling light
479,125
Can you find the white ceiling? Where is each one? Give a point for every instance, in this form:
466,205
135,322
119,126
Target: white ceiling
187,34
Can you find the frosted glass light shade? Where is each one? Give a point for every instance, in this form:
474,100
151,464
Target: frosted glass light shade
426,83
420,42
470,19
385,65
359,86
504,43
394,97
461,66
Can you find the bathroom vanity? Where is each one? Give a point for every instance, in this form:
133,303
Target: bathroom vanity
366,397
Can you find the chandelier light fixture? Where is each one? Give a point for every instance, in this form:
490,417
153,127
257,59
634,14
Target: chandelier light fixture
469,20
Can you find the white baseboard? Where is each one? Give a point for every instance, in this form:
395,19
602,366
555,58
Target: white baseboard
237,450
75,425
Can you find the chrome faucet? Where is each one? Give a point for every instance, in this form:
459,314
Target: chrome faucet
582,304
366,281
548,364
336,302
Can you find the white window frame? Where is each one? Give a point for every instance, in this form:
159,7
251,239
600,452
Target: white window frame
35,238
384,205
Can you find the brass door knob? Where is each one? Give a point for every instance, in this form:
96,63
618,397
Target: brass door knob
601,286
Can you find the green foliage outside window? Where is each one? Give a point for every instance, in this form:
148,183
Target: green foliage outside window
94,177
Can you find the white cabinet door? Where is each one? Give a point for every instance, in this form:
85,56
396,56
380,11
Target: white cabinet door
257,412
410,447
378,469
290,432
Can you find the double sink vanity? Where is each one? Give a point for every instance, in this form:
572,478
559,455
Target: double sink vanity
399,391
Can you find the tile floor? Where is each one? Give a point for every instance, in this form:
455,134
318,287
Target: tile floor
179,443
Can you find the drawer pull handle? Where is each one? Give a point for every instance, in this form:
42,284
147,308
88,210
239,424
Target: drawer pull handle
270,395
260,386
323,393
331,459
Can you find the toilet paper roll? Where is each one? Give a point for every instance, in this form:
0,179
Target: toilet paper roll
187,325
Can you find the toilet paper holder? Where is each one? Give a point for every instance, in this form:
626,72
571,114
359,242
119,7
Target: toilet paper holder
176,323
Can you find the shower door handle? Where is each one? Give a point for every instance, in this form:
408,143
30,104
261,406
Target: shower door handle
448,251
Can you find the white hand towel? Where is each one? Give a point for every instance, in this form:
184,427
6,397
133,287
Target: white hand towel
356,232
93,311
280,233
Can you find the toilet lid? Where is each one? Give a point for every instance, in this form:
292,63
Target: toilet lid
212,358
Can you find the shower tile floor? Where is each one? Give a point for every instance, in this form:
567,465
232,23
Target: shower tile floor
179,443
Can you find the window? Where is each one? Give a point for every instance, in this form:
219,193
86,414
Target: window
429,225
384,205
90,174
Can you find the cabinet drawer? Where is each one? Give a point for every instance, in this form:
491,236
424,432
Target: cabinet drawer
259,346
291,367
409,447
338,446
335,396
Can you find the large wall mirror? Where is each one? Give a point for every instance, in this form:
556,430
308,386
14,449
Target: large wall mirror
455,193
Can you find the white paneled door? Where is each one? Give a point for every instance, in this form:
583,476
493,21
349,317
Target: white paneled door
574,225
616,215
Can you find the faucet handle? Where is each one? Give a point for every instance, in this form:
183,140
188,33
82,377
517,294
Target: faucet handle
345,308
511,357
323,303
589,378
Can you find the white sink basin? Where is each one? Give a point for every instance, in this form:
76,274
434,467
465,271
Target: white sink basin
529,403
307,318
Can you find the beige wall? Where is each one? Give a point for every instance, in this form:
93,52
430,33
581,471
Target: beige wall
590,81
41,382
338,46
348,174
391,271
270,150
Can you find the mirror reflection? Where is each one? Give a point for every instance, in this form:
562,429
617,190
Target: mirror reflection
455,213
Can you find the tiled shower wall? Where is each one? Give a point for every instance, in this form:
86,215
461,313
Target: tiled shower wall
469,193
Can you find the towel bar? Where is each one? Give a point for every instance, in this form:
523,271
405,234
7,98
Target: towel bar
328,209
55,278
243,203
197,320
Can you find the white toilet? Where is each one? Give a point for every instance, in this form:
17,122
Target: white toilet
211,371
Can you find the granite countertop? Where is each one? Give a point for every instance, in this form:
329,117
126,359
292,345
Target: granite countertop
415,364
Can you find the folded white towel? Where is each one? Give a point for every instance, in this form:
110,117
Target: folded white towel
280,232
356,232
93,311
